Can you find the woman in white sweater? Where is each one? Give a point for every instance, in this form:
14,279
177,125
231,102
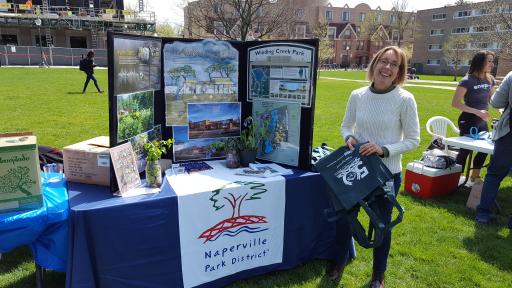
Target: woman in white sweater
385,116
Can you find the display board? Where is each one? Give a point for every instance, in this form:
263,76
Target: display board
200,91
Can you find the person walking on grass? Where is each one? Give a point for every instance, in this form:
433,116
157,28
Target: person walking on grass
87,65
501,159
384,115
472,98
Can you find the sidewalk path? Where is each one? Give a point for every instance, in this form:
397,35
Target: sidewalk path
406,83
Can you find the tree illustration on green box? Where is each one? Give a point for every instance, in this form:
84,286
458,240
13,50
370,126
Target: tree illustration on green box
16,179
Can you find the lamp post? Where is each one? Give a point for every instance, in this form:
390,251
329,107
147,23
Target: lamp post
347,48
43,63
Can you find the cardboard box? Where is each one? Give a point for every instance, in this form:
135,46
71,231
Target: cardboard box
20,180
425,182
88,161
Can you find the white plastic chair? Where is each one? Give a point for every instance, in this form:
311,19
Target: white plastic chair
437,126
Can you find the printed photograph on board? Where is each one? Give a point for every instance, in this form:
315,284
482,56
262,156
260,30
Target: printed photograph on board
135,113
213,120
282,139
281,72
202,71
193,149
136,64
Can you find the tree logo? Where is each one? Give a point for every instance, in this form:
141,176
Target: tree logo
238,222
16,179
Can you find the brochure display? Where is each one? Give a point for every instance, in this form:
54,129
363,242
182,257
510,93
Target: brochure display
200,91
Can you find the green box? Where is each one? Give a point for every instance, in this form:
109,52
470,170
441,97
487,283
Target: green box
20,183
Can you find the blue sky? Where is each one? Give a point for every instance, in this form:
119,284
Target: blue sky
213,111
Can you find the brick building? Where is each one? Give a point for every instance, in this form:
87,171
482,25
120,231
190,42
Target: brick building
68,23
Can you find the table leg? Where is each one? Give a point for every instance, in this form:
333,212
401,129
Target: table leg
39,276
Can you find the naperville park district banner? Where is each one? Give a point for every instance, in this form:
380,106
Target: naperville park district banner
237,226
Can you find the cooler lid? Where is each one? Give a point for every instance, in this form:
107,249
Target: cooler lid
418,167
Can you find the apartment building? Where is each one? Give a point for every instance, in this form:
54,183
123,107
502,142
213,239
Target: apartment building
345,28
436,26
68,23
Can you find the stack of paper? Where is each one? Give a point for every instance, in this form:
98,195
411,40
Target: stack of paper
263,170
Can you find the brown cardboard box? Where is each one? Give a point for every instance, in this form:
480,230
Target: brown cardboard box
88,161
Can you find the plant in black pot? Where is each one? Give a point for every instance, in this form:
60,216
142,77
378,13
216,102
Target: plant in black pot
250,140
154,150
231,147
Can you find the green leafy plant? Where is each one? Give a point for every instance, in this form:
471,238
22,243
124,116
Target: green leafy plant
227,145
252,134
155,149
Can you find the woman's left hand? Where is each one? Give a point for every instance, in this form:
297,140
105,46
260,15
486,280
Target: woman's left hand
370,148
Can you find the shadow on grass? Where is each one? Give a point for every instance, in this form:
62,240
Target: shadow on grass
74,93
491,246
16,260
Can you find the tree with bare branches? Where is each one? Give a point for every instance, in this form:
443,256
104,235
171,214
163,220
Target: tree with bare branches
238,19
404,20
454,51
493,23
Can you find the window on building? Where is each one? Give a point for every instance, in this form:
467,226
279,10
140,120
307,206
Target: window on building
217,8
360,45
347,45
462,14
331,32
78,41
300,31
435,47
43,40
346,34
218,28
433,62
379,18
480,12
259,12
345,16
482,29
460,30
328,15
393,19
299,12
505,9
8,39
437,17
436,32
362,16
395,35
481,45
358,29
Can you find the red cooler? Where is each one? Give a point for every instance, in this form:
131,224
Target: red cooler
425,182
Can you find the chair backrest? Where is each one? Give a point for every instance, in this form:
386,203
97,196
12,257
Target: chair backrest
437,126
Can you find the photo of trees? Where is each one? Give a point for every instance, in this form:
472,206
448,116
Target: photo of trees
135,114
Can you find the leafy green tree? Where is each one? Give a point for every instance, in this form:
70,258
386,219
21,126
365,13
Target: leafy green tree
165,30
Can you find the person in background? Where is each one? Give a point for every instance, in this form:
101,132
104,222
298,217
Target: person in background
501,160
87,65
385,116
472,98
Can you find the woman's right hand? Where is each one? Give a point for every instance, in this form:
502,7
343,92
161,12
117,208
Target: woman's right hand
484,114
351,141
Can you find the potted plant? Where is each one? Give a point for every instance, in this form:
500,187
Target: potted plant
230,146
154,150
250,140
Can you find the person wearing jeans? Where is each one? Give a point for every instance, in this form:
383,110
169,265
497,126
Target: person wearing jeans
88,68
385,116
501,160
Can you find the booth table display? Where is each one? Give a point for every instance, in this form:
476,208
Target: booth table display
135,242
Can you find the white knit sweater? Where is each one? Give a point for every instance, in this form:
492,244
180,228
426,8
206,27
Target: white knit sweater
390,120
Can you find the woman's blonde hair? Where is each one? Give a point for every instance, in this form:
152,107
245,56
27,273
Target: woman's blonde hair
402,73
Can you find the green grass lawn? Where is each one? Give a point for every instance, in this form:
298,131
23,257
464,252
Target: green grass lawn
361,75
437,245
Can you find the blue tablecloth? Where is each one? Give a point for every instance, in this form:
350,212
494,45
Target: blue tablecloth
134,242
44,229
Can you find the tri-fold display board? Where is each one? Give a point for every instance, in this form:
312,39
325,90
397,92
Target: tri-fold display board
201,91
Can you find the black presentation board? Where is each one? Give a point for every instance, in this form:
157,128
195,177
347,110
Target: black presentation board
138,77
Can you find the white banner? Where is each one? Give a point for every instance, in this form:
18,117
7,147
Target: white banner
228,223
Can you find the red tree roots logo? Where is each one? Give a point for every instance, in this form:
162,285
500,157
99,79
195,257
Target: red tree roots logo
238,222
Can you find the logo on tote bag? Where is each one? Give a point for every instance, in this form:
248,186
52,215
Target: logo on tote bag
352,171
